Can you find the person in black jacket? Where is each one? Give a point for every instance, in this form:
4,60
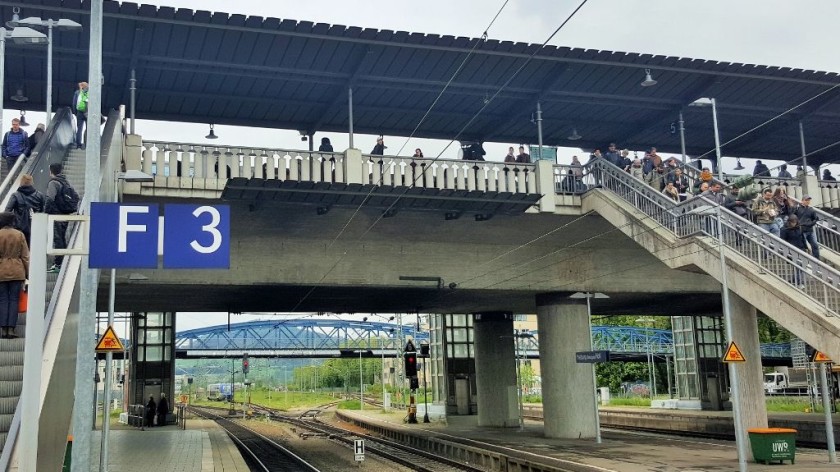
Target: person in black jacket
35,138
761,170
326,146
151,409
379,149
162,410
792,233
807,220
25,201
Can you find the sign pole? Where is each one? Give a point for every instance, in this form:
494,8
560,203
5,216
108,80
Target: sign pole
829,427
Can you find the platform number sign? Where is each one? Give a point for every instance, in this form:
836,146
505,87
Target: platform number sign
359,449
134,235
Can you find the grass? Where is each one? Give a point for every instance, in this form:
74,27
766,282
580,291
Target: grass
641,402
349,405
277,400
790,404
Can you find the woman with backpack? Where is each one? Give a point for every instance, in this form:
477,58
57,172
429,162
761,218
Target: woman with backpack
24,202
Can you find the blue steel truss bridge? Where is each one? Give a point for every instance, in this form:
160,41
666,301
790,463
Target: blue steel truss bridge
318,338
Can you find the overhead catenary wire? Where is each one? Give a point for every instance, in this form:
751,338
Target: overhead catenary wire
370,192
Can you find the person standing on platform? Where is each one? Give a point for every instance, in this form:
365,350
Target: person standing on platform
15,144
162,410
379,149
783,172
14,270
510,157
326,145
25,201
151,409
80,104
761,170
418,154
523,157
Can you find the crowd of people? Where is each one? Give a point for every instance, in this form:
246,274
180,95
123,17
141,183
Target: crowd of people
772,210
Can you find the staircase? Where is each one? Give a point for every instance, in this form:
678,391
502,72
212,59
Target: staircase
797,291
11,350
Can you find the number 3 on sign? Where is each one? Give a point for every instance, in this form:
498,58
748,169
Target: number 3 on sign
196,237
212,228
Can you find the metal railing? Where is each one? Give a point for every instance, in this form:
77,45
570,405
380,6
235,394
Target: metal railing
799,270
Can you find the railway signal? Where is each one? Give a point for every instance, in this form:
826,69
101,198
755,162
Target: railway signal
245,364
411,364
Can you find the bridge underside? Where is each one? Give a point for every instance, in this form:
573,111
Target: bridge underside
350,299
288,257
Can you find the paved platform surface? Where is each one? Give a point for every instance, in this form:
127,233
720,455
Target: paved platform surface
619,452
202,447
786,415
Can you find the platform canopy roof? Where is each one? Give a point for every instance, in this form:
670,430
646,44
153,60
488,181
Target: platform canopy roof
200,66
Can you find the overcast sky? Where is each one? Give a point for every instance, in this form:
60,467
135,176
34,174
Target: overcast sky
767,32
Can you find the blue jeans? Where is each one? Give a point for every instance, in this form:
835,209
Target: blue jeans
770,228
81,119
9,297
811,239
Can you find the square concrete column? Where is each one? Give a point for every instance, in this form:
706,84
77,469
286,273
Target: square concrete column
568,392
495,370
751,376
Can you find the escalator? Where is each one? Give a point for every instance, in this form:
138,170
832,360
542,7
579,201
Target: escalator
797,291
60,335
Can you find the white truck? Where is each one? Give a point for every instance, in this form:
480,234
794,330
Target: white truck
786,381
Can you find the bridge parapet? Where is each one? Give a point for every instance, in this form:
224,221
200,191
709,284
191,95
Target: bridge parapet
202,171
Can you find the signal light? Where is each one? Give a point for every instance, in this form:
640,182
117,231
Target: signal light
411,364
245,364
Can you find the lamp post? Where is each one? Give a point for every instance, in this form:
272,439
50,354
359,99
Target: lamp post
50,24
18,35
128,176
649,355
425,353
740,440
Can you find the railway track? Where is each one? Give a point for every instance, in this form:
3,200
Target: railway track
260,451
402,454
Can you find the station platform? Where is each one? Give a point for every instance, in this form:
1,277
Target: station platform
202,447
620,451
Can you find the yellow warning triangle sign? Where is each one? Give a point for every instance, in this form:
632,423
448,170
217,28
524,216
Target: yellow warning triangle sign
820,357
733,354
109,342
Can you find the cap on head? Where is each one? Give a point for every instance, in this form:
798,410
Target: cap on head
806,197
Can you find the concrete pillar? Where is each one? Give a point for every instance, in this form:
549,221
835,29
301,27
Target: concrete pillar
745,335
545,185
568,392
811,186
495,370
354,166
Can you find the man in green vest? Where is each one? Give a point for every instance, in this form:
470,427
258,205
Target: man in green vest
80,108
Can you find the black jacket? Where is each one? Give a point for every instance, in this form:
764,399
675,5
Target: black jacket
34,140
761,170
378,150
794,236
807,218
25,198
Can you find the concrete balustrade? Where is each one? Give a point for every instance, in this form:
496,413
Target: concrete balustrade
204,169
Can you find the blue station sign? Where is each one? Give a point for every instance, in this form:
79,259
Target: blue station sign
134,235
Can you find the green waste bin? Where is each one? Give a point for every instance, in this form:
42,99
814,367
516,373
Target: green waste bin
773,444
68,452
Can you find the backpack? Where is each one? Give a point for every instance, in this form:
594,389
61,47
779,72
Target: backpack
82,104
66,199
23,214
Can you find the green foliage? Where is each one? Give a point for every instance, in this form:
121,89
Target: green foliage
770,332
612,374
630,401
349,405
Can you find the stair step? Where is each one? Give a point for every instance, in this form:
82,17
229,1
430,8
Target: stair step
10,388
11,358
7,345
8,406
6,422
11,372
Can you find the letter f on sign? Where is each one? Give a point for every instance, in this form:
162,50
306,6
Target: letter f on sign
125,228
